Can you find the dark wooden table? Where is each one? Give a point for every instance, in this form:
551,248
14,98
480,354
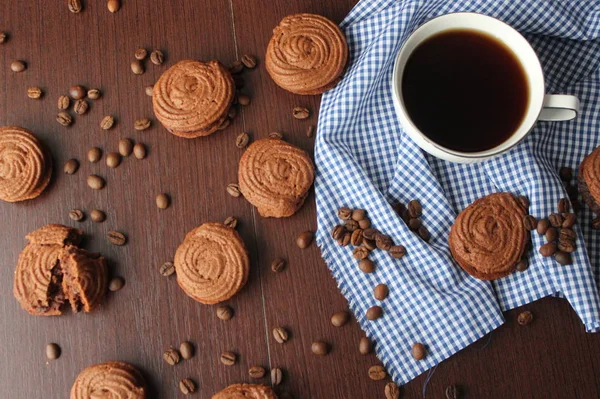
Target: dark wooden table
551,358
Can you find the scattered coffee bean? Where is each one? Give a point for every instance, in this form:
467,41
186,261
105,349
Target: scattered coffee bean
374,313
74,6
301,112
94,154
305,239
522,265
243,99
276,135
137,67
234,190
364,224
276,376
256,372
525,318
64,118
148,90
76,215
236,67
351,225
414,224
563,258
596,223
80,107
277,265
563,205
418,351
424,233
570,220
52,351
172,357
358,214
391,390
116,283
249,61
3,37
369,244
530,222
345,241
162,201
381,292
377,373
566,174
107,122
18,66
231,222
548,249
415,209
397,251
567,246
310,131
113,159
452,392
94,94
542,226
34,92
224,124
555,219
366,266
125,147
551,234
117,238
232,113
281,335
340,318
568,234
338,232
524,201
370,233
242,140
319,348
142,124
113,5
71,166
139,151
95,182
365,346
97,216
186,349
157,57
167,268
224,312
187,386
383,242
344,213
360,253
228,358
140,54
77,92
356,238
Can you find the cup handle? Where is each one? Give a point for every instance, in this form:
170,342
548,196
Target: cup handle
559,107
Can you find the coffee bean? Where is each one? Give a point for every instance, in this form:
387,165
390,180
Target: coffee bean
107,122
117,238
570,220
563,205
345,241
365,346
338,232
243,99
551,234
234,190
224,124
74,6
281,335
356,238
344,213
140,54
391,390
351,225
276,135
305,239
52,351
186,349
522,265
381,292
524,201
167,268
424,233
148,90
596,223
564,258
249,61
3,37
370,233
76,215
113,5
358,214
172,357
340,318
113,159
418,351
555,219
236,67
142,124
137,67
530,222
414,224
397,251
310,131
374,312
95,182
301,112
224,312
566,245
139,151
542,226
187,386
364,224
415,209
377,373
34,92
319,348
276,376
94,94
228,358
360,253
162,201
97,216
548,249
383,241
77,92
242,140
64,118
366,266
80,107
125,147
369,244
71,166
452,392
157,57
568,234
566,174
525,318
116,283
231,222
18,66
256,372
94,154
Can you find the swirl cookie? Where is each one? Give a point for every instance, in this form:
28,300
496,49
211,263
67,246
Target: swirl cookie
589,180
275,177
246,391
488,237
25,165
307,54
114,380
53,272
212,263
192,98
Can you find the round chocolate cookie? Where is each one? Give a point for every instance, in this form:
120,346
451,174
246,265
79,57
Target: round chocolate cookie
212,263
192,98
488,237
25,165
589,180
307,54
115,380
275,177
246,391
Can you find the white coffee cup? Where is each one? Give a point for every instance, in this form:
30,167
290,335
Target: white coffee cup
544,107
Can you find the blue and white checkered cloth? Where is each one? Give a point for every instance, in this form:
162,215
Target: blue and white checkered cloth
364,160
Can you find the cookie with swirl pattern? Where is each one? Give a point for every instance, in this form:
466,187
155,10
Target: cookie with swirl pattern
589,180
246,391
114,380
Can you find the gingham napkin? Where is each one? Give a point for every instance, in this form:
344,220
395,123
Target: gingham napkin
364,160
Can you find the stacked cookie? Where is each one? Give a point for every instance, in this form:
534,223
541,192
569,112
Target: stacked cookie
109,380
246,391
589,180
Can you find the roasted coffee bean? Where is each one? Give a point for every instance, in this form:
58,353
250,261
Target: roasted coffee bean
167,268
555,219
542,226
397,251
563,205
338,232
399,208
351,225
369,244
256,372
305,239
234,190
94,94
365,346
564,258
125,147
71,166
522,265
381,292
34,92
228,358
310,131
52,351
18,66
424,233
360,253
232,113
525,318
391,390
64,118
301,112
366,266
276,376
139,151
276,135
243,100
113,159
344,213
340,318
566,174
76,215
596,223
551,234
236,67
231,222
3,37
415,209
116,283
162,201
418,351
414,224
567,245
568,234
356,238
95,182
140,54
97,216
224,312
117,238
148,90
548,249
107,122
142,124
370,233
377,373
530,222
374,312
113,5
345,241
278,265
364,224
242,140
319,348
187,386
74,6
77,92
80,107
570,220
137,67
186,349
281,335
383,241
172,357
452,392
524,201
358,214
249,61
94,154
157,57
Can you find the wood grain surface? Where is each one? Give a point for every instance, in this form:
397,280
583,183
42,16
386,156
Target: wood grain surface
551,358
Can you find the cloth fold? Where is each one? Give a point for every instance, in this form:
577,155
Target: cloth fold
364,160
